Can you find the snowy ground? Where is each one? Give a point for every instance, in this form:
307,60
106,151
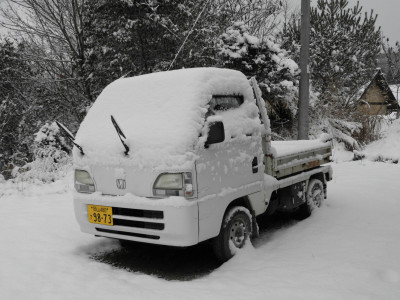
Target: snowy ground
349,249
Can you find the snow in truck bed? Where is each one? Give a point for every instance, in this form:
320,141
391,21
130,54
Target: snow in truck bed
161,115
285,148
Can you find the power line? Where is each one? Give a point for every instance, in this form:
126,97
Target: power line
187,36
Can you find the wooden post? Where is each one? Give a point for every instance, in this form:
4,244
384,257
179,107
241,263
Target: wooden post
304,92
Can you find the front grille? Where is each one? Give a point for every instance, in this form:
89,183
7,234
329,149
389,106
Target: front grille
138,224
140,235
119,212
140,213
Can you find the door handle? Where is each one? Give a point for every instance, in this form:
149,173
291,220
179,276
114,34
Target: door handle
254,165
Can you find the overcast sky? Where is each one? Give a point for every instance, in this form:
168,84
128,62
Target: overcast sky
388,14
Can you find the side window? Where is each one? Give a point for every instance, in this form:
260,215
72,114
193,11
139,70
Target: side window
224,102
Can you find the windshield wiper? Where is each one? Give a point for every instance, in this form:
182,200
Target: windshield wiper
69,135
120,133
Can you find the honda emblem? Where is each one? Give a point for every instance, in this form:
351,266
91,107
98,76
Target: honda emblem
121,184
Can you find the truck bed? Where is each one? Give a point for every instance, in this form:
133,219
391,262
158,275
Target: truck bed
291,157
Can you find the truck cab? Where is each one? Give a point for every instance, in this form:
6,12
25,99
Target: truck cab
180,157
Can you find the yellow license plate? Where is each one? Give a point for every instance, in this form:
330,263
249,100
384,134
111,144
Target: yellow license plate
100,214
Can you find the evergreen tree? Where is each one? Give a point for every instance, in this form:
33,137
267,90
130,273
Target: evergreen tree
275,71
136,37
343,51
392,62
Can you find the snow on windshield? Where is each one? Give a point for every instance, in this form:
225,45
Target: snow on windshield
241,122
161,115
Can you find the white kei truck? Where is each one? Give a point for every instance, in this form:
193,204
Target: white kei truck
180,157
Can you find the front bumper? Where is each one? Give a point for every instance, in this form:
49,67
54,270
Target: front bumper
172,221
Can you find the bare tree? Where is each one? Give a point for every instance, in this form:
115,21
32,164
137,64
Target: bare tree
52,33
261,16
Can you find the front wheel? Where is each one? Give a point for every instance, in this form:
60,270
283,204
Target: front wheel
235,232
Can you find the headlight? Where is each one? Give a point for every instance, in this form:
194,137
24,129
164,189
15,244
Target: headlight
83,182
174,184
169,182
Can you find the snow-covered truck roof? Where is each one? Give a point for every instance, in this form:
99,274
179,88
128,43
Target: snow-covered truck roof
161,115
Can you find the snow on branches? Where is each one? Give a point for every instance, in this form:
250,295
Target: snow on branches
344,45
275,71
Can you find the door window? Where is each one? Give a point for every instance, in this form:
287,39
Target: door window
223,103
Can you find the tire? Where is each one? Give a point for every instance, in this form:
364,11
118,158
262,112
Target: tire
314,197
235,231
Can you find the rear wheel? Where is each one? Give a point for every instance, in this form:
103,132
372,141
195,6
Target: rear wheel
235,232
314,198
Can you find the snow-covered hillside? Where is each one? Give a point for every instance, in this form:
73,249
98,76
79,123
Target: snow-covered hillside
349,249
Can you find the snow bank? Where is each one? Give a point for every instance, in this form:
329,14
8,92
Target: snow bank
161,115
20,188
387,148
340,153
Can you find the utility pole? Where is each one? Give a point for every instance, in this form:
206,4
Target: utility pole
304,88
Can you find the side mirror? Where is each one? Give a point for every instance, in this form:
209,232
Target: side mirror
216,133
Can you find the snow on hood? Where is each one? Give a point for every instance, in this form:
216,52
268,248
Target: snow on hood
161,115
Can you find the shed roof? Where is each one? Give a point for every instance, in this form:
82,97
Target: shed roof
381,82
395,88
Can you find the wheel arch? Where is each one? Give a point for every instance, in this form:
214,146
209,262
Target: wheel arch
246,203
212,212
242,201
320,176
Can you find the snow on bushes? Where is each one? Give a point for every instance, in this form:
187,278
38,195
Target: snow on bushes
51,157
385,149
237,43
275,71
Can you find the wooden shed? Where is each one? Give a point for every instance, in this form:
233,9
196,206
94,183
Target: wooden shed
377,97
